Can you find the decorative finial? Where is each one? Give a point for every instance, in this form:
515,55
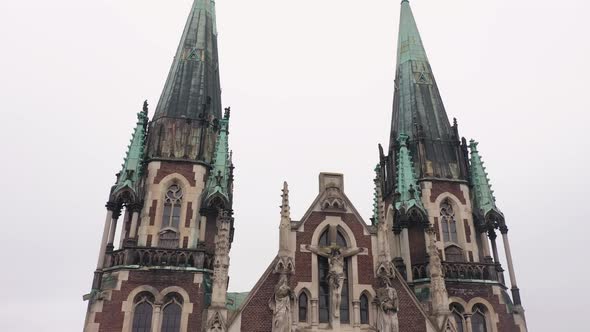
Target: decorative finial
227,112
145,106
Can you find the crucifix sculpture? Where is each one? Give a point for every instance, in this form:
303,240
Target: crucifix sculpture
336,255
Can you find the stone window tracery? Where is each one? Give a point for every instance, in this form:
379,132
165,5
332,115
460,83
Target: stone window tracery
448,222
142,313
172,204
171,217
172,313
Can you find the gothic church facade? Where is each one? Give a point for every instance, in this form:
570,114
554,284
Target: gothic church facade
426,260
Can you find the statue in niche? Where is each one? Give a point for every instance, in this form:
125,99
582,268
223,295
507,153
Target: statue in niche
388,304
280,304
336,256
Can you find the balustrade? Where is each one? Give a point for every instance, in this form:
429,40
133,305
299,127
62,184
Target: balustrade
144,256
456,270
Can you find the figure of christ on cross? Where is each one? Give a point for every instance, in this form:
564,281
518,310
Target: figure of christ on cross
336,256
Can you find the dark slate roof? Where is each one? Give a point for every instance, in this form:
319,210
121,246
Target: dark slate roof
418,110
193,81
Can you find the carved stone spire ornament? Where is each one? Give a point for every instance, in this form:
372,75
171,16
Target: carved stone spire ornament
438,289
285,262
221,262
280,302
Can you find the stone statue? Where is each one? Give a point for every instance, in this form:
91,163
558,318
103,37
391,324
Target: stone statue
280,304
336,276
388,304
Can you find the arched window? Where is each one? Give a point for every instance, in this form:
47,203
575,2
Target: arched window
364,309
172,203
457,311
478,319
172,313
142,313
169,237
449,225
454,254
324,284
303,307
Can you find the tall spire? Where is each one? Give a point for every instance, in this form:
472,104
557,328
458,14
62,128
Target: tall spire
128,178
418,110
193,84
185,122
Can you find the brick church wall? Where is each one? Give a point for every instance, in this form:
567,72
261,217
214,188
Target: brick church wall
111,317
466,292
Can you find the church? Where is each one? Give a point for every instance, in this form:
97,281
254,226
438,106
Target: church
427,258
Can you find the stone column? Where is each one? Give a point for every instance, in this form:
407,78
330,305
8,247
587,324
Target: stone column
105,234
485,245
356,314
405,242
515,290
314,312
134,219
467,322
156,317
499,270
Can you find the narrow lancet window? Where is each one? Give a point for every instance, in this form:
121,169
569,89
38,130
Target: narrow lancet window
172,313
478,320
303,307
449,225
142,313
364,306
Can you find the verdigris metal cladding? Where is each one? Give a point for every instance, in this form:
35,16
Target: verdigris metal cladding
190,104
418,110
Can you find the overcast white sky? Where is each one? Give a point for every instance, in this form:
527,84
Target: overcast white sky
310,83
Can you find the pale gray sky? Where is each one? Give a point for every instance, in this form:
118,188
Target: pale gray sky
310,83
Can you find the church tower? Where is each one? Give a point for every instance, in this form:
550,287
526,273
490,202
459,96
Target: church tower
440,205
171,206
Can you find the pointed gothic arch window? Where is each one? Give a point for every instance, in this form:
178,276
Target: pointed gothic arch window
457,311
171,217
142,313
324,284
172,204
448,222
172,313
478,319
303,307
364,306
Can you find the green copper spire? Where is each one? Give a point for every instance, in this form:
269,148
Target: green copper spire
193,84
132,169
418,110
407,188
219,183
485,202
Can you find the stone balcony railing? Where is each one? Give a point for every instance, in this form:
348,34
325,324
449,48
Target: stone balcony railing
161,257
458,270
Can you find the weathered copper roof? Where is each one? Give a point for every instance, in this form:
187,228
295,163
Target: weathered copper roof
418,110
193,81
